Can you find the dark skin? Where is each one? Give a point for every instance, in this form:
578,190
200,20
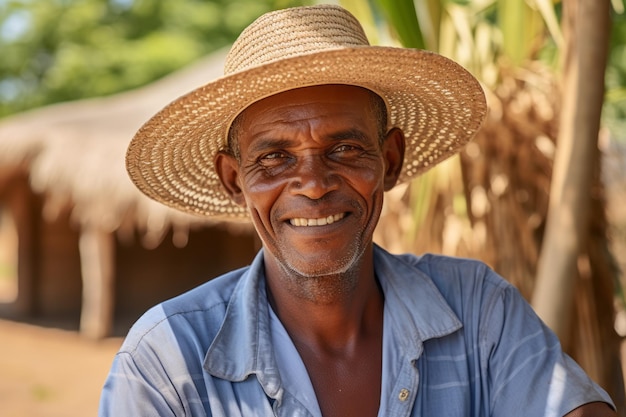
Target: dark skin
320,279
312,170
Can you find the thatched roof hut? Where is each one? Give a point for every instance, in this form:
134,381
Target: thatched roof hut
72,155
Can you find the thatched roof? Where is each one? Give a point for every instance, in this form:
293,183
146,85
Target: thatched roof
74,155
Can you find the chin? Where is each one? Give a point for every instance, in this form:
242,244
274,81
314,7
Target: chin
326,267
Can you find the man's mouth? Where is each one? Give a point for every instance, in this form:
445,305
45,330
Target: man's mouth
323,221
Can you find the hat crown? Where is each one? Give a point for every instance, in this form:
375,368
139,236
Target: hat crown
294,32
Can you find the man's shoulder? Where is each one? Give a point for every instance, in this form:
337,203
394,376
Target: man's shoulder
432,260
205,297
449,267
198,312
453,276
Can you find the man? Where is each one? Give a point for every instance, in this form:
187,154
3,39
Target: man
304,134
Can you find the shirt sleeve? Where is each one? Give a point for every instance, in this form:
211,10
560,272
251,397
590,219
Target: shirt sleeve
130,391
528,373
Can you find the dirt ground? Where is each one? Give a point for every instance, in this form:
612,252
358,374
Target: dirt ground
47,372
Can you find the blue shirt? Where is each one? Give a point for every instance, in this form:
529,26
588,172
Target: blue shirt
458,341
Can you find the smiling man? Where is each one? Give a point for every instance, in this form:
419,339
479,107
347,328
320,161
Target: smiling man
303,135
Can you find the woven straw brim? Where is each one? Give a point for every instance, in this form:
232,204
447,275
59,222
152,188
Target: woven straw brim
436,102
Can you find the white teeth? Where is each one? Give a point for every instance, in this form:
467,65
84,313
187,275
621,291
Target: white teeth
316,222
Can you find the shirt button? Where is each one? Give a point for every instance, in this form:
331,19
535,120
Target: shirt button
404,394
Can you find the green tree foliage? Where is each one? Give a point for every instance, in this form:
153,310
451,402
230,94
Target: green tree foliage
60,50
615,101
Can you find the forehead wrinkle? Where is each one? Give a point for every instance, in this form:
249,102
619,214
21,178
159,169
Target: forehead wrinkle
307,112
282,130
282,114
350,133
277,133
263,144
289,119
260,142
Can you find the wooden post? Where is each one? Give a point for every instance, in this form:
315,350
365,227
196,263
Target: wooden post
26,215
97,259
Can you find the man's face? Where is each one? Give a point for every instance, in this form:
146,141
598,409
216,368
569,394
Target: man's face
312,172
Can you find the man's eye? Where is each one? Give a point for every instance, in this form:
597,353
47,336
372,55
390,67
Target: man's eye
273,155
344,148
272,159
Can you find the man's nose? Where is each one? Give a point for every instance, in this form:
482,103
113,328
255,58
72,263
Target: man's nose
314,178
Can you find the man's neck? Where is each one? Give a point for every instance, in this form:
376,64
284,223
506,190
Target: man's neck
336,328
332,312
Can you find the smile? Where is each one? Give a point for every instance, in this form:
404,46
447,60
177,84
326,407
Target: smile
317,222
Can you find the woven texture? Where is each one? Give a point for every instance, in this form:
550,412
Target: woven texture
437,103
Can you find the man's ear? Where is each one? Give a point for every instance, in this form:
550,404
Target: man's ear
227,168
393,152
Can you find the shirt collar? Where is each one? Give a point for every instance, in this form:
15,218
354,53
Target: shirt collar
243,344
413,301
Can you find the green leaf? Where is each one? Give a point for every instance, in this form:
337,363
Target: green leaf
403,18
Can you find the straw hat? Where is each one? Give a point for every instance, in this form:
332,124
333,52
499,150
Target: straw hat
437,103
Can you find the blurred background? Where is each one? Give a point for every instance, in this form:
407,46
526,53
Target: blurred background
540,195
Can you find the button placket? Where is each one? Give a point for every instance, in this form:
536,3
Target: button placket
404,393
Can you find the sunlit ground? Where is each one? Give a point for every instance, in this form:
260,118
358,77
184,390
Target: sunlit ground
50,372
